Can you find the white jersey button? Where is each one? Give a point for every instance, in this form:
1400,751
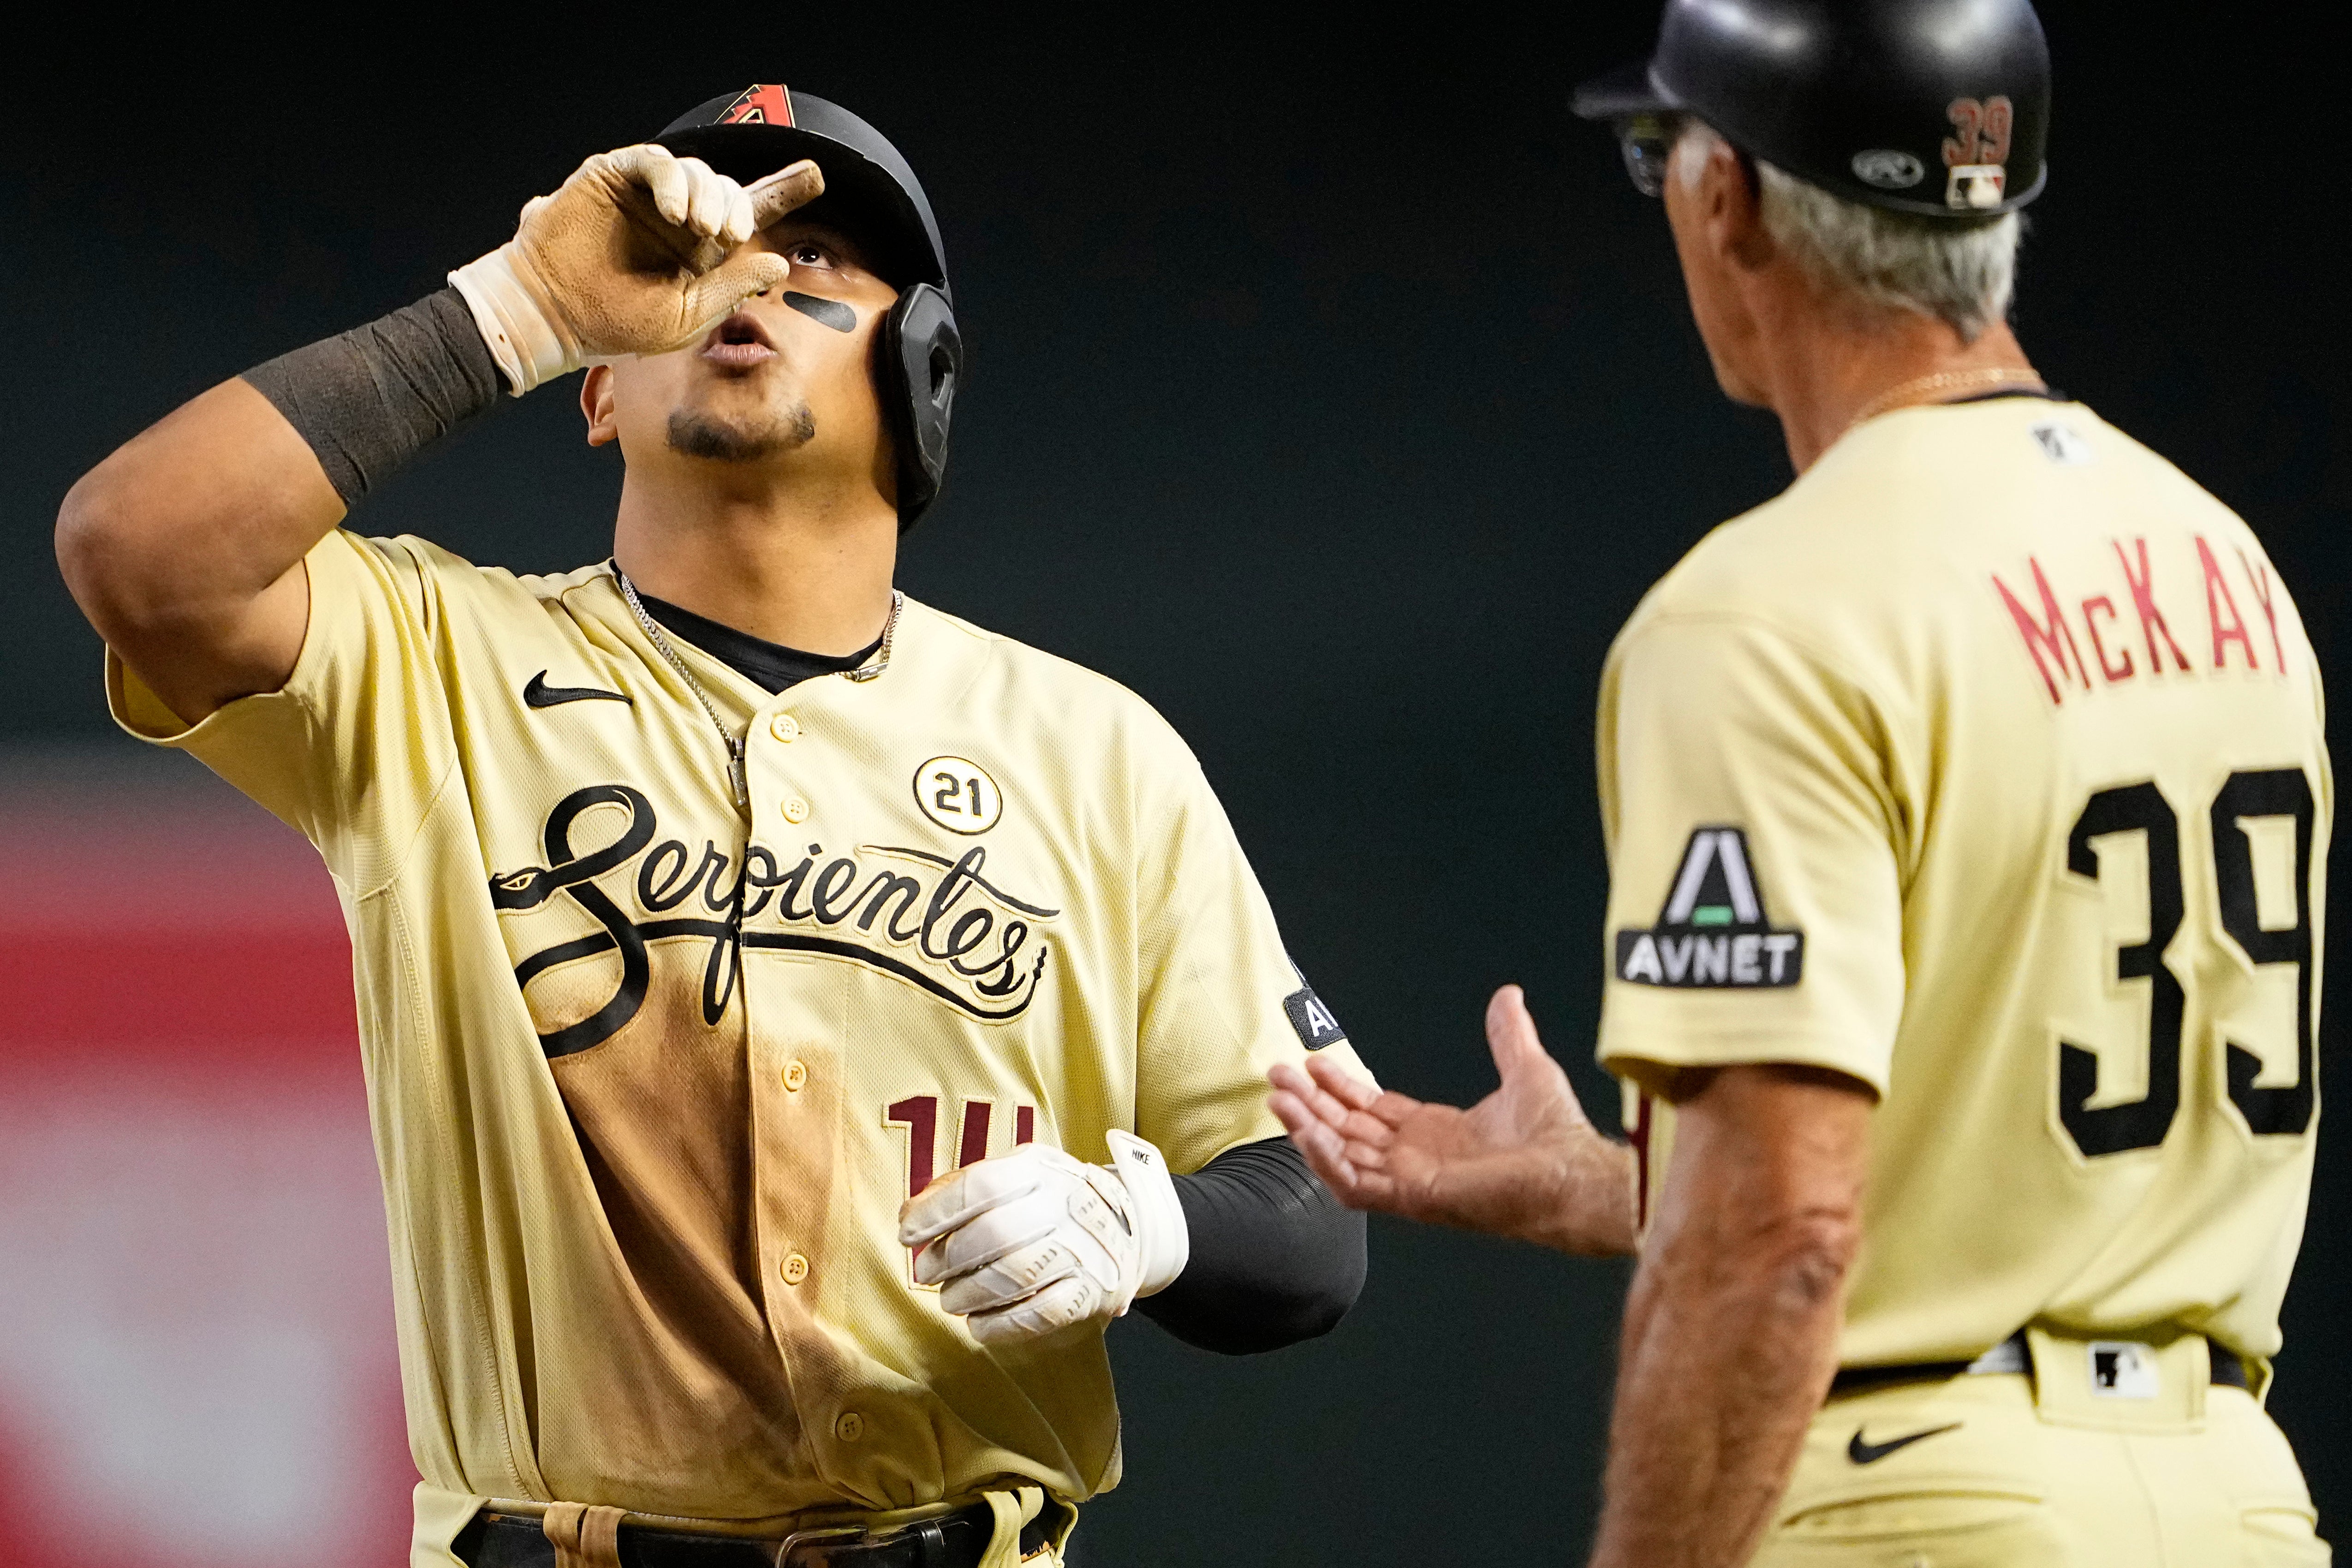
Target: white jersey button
784,728
795,809
795,1074
796,1269
850,1427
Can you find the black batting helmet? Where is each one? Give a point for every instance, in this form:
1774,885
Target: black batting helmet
872,195
1939,108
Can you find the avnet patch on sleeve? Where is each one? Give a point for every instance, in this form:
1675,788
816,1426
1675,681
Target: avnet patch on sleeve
1316,1026
1713,934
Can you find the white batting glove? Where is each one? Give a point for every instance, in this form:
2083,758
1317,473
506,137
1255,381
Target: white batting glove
639,252
1033,1242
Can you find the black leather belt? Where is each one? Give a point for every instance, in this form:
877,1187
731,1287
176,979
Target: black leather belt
956,1540
2011,1356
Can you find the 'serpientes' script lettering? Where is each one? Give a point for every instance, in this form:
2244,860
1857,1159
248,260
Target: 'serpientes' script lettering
937,922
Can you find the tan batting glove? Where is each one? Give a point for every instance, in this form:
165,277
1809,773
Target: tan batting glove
639,252
1033,1242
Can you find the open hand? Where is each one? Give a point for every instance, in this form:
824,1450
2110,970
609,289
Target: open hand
1525,1161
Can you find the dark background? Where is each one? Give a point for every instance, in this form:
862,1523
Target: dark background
1331,389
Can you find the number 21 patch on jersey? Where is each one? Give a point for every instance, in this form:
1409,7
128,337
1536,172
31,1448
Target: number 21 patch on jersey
1712,933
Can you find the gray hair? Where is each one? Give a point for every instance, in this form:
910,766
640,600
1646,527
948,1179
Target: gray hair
1959,271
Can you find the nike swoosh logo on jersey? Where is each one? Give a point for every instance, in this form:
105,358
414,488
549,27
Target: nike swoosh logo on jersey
1863,1453
539,694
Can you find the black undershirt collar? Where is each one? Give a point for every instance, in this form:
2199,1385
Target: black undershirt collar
770,666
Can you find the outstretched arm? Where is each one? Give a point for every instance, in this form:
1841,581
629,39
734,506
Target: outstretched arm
1525,1161
184,547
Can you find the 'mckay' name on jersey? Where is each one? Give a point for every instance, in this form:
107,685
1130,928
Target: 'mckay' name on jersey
1712,931
2046,618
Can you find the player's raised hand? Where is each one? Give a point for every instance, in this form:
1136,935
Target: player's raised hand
640,251
1036,1241
1525,1161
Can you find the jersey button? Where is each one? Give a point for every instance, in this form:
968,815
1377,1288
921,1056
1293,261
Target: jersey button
795,1074
784,728
795,809
796,1269
850,1427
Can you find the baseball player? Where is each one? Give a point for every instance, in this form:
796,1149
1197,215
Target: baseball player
795,1020
1967,810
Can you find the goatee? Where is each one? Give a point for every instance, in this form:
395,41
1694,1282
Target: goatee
736,441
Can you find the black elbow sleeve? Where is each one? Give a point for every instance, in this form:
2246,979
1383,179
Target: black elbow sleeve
1276,1259
370,399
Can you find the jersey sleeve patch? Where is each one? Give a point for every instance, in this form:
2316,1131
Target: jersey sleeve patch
1712,934
1316,1026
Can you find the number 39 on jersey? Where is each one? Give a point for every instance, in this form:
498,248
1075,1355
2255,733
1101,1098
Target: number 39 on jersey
2246,1009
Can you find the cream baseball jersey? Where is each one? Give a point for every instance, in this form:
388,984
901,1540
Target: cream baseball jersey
1986,765
651,1074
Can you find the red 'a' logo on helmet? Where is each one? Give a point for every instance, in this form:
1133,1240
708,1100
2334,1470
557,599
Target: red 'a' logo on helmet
770,104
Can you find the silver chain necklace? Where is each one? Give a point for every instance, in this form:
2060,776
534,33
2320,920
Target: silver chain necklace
734,743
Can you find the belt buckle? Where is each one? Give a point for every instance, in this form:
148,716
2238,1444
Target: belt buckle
800,1538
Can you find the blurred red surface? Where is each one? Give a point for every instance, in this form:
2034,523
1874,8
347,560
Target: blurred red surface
197,1365
268,1001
